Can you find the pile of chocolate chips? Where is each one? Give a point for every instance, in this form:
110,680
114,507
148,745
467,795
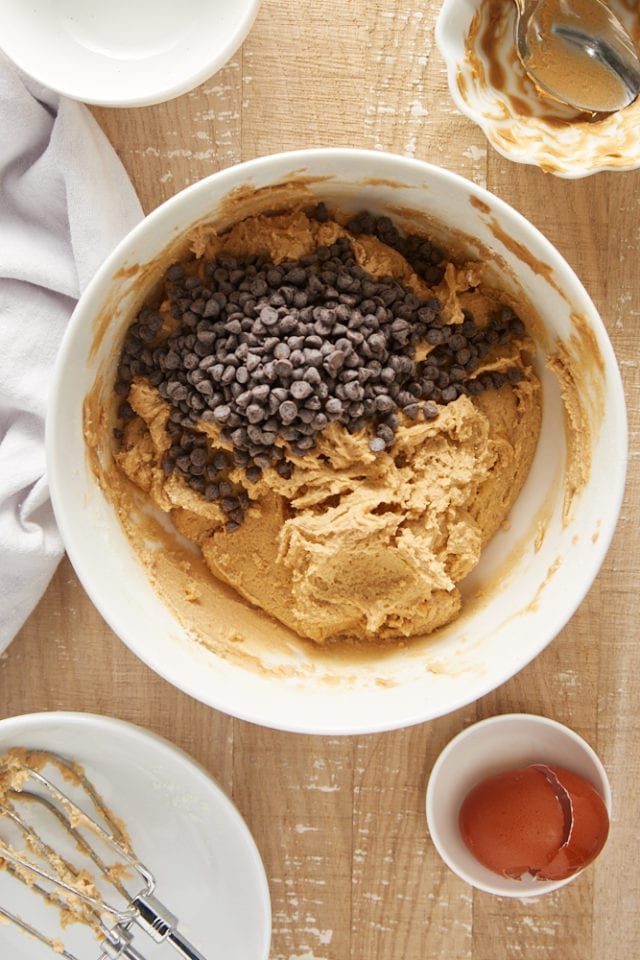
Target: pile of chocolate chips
275,353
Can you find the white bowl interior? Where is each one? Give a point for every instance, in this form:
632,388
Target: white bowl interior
518,123
531,578
500,743
122,53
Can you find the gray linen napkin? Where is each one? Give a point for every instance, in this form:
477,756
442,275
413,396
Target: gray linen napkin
65,201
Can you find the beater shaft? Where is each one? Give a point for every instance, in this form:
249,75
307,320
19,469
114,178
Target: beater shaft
156,920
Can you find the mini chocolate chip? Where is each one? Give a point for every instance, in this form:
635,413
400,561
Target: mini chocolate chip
222,412
285,468
262,460
221,460
449,393
334,362
253,473
457,342
175,272
198,457
386,432
288,411
353,391
334,407
411,410
300,389
255,413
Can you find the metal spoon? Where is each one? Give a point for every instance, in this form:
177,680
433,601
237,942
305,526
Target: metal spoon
578,52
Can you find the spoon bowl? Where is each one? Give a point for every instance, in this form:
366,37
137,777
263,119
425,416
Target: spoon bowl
578,52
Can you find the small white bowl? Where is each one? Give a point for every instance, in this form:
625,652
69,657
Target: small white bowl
489,85
501,743
123,54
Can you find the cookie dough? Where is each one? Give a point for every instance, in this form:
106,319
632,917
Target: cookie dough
365,535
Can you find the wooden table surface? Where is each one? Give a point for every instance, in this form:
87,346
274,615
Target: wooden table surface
340,822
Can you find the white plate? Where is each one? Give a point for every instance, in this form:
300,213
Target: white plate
121,53
182,826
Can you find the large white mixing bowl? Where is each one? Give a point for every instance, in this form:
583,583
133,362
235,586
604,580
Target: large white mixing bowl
531,578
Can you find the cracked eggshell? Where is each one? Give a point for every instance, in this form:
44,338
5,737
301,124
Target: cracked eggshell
546,821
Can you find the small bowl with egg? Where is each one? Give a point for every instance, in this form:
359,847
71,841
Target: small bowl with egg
351,437
489,85
518,805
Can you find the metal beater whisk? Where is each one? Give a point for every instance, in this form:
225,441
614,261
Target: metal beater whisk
87,875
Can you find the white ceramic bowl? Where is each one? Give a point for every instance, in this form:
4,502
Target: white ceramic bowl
493,90
182,826
122,53
531,577
500,743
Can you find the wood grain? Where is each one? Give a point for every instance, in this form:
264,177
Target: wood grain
340,821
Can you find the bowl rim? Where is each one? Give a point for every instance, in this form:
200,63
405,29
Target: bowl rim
230,178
